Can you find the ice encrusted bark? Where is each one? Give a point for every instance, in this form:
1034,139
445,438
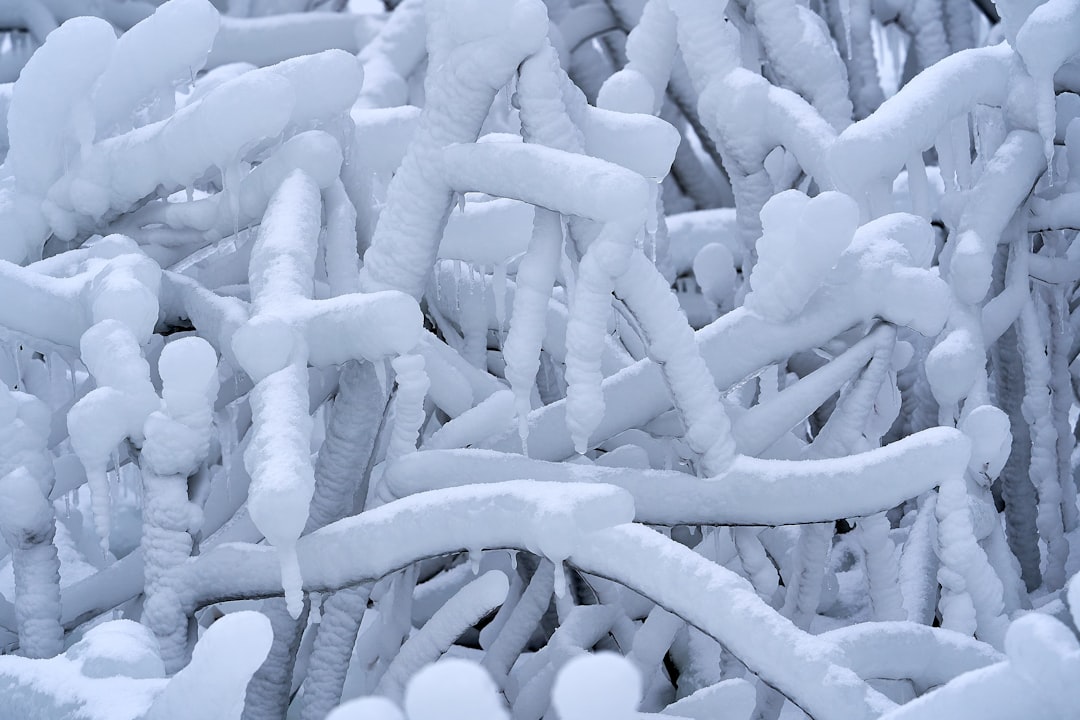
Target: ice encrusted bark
177,442
482,51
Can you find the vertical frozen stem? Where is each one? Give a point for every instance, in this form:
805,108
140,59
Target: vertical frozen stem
1037,411
535,279
1062,396
802,53
459,93
28,527
672,345
1017,489
590,304
177,442
355,418
333,649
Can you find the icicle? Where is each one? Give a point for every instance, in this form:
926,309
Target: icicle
560,578
513,558
498,288
1061,339
474,561
380,374
946,163
652,221
961,151
918,186
845,18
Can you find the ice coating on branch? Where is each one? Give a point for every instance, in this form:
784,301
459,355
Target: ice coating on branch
406,238
535,278
149,62
49,119
115,410
282,476
801,50
412,387
803,239
753,491
639,87
671,343
324,84
475,424
213,132
565,182
50,105
178,436
487,233
27,527
605,260
1048,38
879,146
314,152
1006,181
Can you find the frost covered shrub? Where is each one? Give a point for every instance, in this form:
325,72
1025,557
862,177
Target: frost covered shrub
524,359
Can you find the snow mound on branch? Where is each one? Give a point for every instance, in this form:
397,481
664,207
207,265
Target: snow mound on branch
802,241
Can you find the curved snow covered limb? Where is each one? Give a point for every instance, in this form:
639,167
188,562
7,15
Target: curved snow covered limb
279,462
119,171
910,121
742,342
549,520
487,233
753,492
462,611
638,142
149,60
314,152
565,182
806,669
1037,681
273,38
41,306
929,656
742,99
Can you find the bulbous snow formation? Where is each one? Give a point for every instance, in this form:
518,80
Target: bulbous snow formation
389,328
802,241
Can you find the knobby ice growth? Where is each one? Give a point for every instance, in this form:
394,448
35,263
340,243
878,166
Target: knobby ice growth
541,358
